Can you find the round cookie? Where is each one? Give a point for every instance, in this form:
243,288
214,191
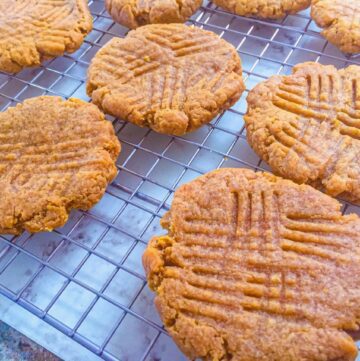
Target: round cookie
36,30
136,13
341,22
265,9
306,126
171,78
55,156
255,267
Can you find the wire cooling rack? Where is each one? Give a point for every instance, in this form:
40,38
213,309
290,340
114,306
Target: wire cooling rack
86,278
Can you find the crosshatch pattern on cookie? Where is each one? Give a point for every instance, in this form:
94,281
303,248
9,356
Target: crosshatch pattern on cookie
36,30
171,78
55,155
243,250
333,98
307,127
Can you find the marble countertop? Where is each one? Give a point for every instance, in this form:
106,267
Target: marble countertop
16,347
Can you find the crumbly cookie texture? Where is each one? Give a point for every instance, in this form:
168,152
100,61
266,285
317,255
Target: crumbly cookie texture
36,30
341,22
265,9
171,77
55,155
255,267
135,13
306,126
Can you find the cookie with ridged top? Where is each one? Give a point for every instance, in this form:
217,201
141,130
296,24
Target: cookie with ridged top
136,13
265,9
255,267
306,126
36,30
341,22
55,155
172,78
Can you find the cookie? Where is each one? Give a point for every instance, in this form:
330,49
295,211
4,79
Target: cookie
306,126
136,13
255,267
171,78
55,156
36,30
265,9
341,22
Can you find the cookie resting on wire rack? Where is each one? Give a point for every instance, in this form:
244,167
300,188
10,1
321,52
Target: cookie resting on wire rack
255,267
136,13
306,126
36,30
55,155
264,9
172,78
341,22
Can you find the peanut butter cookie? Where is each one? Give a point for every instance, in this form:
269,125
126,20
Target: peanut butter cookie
265,9
307,127
171,77
255,267
341,22
55,155
36,30
136,13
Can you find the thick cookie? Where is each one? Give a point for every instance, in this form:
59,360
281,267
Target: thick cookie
307,127
341,22
36,30
255,267
265,9
55,155
136,13
172,78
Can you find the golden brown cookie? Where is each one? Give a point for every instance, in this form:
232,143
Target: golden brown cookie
307,127
255,267
135,13
55,155
265,9
36,30
172,78
341,22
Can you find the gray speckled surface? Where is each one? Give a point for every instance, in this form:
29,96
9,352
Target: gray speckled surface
16,347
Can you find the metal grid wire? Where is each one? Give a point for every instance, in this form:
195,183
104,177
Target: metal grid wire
86,278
